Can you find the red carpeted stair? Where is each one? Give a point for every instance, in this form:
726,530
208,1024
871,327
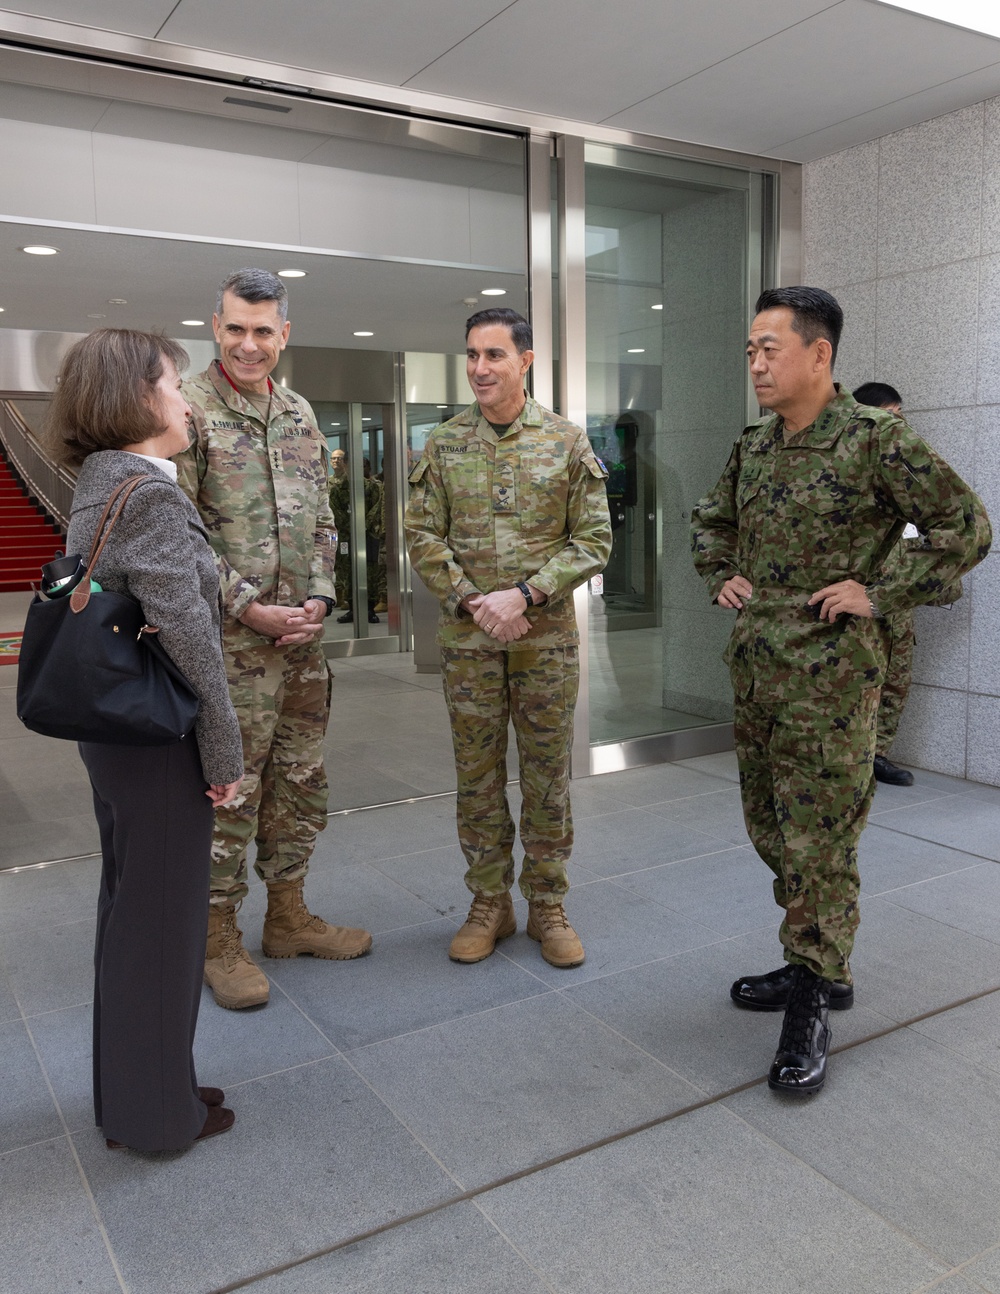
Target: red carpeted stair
27,539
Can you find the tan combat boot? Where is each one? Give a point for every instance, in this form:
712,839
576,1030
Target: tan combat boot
489,919
290,929
233,978
561,944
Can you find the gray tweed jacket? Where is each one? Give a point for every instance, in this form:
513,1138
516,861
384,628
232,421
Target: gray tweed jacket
158,552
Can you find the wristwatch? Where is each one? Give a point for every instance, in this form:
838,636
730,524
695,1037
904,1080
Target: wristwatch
330,604
873,607
525,592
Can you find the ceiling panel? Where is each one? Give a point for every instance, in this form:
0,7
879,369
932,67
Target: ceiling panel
407,307
136,17
849,59
385,42
606,56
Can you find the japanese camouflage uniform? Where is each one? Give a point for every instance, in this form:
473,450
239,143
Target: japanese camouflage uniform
484,513
900,639
828,505
260,486
340,505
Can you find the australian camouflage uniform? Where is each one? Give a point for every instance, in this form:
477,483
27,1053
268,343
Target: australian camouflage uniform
486,511
340,505
829,504
260,485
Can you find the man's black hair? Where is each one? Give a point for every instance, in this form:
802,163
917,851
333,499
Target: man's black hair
879,395
815,313
520,329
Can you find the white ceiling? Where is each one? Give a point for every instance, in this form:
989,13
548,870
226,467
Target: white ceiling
794,79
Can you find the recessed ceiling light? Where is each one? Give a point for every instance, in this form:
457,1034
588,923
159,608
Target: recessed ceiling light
1,310
659,307
637,350
37,249
97,316
334,424
442,406
292,274
192,323
493,292
117,301
364,334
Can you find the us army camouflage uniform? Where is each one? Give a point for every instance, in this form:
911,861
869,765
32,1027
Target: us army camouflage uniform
340,505
262,493
792,518
485,512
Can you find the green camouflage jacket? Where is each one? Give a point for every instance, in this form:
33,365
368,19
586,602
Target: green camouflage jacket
830,505
485,512
261,492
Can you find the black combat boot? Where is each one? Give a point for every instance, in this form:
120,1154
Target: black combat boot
770,992
890,773
799,1065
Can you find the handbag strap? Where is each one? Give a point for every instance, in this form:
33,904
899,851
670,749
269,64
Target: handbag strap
80,596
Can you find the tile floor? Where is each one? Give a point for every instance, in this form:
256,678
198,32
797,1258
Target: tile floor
409,1126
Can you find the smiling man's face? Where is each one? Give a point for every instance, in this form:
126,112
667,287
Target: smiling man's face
251,337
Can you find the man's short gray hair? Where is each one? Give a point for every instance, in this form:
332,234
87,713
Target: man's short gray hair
254,285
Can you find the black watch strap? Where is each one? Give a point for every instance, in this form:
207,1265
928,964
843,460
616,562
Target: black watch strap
330,604
525,592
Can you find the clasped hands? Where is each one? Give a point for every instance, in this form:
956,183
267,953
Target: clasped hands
500,614
286,625
847,597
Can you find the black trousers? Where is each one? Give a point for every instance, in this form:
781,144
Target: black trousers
156,832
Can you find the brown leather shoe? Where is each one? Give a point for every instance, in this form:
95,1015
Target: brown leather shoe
236,982
218,1119
211,1095
290,929
561,944
489,920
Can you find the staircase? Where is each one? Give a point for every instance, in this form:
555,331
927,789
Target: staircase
27,538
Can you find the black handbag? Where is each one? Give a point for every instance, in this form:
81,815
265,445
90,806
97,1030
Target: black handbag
90,667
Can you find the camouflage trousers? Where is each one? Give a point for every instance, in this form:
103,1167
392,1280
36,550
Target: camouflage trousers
807,785
900,640
536,688
282,698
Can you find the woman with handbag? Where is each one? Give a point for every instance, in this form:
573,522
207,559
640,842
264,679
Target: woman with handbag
118,413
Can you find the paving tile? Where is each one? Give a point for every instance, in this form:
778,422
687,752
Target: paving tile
658,783
405,983
617,843
931,1141
487,1094
972,1030
46,896
679,1010
962,822
25,843
386,833
981,1274
361,896
297,1172
435,876
9,1010
959,1285
50,968
64,1041
49,1238
618,929
968,900
729,892
888,860
701,1205
718,814
908,963
456,1251
723,764
27,1112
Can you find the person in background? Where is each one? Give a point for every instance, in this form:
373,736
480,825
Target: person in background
256,470
118,411
507,515
898,628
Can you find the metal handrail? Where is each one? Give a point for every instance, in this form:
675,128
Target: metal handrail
50,484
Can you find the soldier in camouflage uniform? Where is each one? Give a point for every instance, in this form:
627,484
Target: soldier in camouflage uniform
340,506
794,537
257,472
507,515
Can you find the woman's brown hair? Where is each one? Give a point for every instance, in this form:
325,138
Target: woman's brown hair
103,393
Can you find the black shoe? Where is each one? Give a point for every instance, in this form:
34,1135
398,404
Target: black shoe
770,992
890,773
799,1065
346,618
374,620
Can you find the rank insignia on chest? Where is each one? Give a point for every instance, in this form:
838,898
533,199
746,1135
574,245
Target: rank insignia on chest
504,487
275,454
